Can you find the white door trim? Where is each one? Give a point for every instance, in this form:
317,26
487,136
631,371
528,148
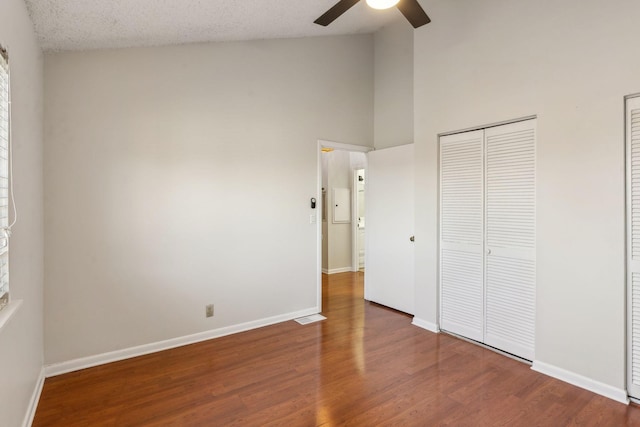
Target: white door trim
341,146
336,146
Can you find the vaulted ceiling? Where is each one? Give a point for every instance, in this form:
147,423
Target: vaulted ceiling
92,24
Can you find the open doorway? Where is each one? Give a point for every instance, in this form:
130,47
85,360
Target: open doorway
341,179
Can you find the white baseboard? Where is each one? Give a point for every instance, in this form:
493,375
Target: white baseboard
33,403
581,381
429,326
100,359
338,270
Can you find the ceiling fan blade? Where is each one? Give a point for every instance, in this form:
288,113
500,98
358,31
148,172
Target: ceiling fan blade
414,13
338,9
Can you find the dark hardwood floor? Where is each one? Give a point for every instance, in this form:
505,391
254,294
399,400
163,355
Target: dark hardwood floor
365,365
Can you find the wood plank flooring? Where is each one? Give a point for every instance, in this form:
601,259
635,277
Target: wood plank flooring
365,365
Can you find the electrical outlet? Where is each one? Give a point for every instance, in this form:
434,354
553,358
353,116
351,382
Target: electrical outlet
209,310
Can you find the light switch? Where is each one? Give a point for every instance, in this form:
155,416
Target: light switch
312,219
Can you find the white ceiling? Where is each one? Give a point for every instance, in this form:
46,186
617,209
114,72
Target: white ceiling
94,24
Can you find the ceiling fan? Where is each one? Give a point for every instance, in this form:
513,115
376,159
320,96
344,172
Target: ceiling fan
411,10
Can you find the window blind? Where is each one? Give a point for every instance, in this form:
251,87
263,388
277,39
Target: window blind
4,178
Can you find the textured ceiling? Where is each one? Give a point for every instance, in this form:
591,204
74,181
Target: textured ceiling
95,24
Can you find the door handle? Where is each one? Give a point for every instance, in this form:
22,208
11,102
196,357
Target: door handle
412,238
488,251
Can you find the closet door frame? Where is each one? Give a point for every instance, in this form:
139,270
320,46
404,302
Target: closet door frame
631,103
484,243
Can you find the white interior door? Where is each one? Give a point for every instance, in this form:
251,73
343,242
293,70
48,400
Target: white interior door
461,234
633,245
510,238
389,254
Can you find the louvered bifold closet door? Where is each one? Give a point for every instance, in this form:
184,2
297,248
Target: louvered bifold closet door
633,245
4,180
461,234
510,269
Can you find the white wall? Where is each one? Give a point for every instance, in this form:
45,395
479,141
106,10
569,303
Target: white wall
338,234
570,63
21,339
181,176
393,124
357,160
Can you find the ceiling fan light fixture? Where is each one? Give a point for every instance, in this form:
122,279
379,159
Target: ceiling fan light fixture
382,4
411,10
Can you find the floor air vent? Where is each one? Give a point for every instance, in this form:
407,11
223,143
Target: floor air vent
310,319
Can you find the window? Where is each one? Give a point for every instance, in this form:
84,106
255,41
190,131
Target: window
4,178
